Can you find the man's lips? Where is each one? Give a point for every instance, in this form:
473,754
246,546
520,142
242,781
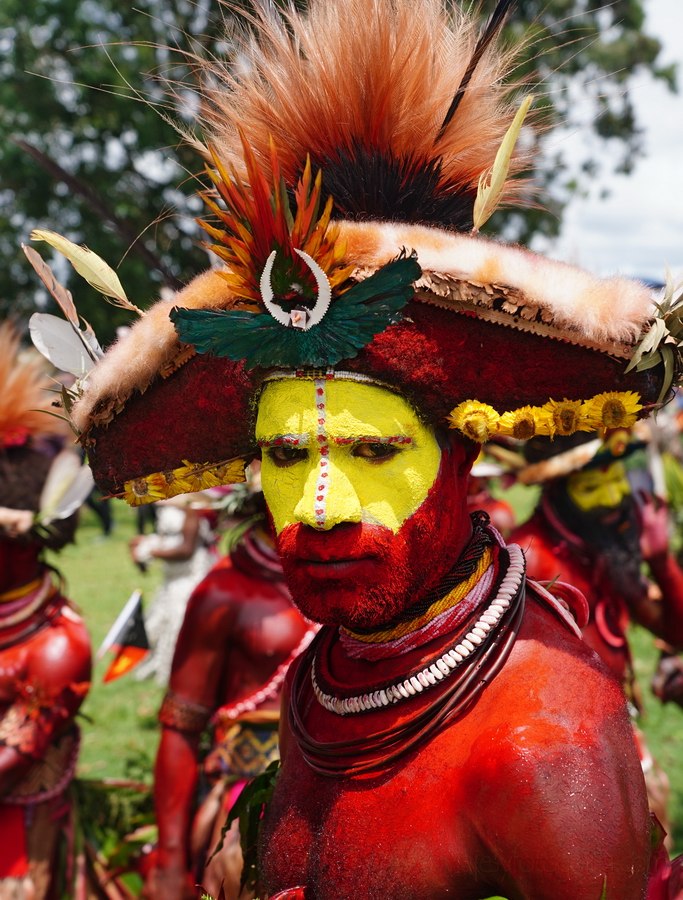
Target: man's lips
328,567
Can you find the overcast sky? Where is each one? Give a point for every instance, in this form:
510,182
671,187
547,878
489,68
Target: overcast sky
638,229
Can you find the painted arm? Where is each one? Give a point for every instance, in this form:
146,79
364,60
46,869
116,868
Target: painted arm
563,809
663,618
175,782
572,830
193,694
48,695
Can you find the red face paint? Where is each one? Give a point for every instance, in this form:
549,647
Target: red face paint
363,575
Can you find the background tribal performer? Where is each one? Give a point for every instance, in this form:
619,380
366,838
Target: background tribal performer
44,647
590,531
239,636
447,731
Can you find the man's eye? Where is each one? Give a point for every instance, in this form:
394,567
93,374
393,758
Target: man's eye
286,456
375,451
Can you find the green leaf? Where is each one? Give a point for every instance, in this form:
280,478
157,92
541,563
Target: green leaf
668,359
248,809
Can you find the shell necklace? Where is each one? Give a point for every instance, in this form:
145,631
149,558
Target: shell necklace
446,664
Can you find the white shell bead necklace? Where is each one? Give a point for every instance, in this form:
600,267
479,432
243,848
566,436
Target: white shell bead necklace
442,667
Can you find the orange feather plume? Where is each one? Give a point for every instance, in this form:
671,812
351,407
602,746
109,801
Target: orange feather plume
25,401
256,218
359,82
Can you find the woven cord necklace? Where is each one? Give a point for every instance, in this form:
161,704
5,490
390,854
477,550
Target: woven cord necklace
459,676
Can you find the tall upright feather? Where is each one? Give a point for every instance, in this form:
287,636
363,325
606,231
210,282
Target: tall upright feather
491,31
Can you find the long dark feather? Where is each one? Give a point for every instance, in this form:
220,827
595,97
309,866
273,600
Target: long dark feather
491,31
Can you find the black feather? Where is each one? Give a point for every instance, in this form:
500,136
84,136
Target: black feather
371,184
491,30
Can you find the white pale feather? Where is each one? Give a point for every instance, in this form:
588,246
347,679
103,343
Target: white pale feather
66,487
59,343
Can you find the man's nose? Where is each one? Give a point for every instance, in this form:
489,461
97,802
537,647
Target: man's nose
329,498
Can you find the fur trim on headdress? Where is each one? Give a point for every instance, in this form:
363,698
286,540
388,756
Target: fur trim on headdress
25,402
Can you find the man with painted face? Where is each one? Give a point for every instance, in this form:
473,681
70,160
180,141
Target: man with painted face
447,733
591,531
44,646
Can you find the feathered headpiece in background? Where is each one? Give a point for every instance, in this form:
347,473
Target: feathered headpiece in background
26,395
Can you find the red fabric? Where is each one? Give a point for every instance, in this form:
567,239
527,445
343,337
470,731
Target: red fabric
13,852
204,412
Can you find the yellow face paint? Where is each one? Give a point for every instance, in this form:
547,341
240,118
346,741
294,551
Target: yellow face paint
338,451
594,488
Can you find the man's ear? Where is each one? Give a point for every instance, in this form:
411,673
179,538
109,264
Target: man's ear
462,450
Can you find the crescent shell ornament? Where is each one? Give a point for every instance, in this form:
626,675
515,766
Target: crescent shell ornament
300,318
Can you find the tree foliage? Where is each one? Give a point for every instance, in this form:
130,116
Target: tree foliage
84,152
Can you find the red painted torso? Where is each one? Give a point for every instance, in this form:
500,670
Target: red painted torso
516,797
253,629
549,558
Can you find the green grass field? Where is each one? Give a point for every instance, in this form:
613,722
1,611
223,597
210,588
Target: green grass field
119,728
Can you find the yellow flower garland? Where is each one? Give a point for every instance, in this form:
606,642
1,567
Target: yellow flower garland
187,479
481,422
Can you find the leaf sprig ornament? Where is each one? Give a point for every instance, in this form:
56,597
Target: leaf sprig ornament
89,266
663,342
295,304
492,181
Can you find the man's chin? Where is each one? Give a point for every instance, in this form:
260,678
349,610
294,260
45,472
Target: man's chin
341,600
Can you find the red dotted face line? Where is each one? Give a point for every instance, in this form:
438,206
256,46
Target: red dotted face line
323,482
284,440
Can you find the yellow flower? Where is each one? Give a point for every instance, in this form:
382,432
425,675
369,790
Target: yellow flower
525,422
231,472
139,491
477,421
565,417
194,477
613,409
200,476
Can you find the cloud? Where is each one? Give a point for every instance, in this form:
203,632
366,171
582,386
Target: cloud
638,229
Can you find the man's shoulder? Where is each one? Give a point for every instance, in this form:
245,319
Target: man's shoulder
552,674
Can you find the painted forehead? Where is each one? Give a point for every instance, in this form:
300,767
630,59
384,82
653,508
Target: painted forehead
297,409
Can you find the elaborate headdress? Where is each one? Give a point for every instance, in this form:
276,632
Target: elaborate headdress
36,474
349,163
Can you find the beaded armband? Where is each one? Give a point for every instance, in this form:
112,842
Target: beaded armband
183,715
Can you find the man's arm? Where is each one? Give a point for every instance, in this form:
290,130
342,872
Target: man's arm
175,783
663,618
201,651
563,810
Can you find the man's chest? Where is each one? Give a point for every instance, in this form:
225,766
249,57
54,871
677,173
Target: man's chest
398,836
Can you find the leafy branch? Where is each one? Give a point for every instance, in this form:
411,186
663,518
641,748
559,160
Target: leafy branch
663,343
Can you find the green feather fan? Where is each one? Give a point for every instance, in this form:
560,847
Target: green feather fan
351,322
